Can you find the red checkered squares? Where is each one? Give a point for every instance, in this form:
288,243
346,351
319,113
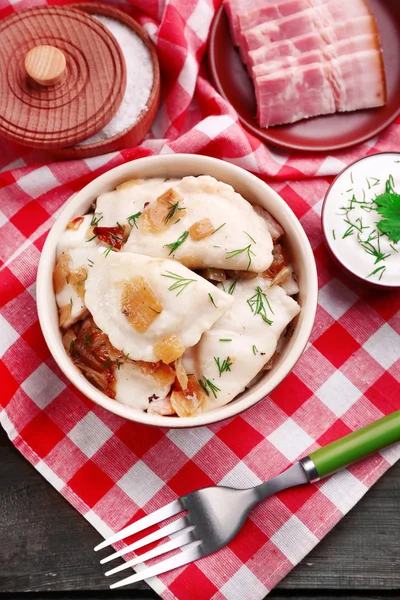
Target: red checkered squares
240,437
189,478
115,471
10,287
29,218
248,541
42,434
385,393
337,344
90,483
291,394
138,438
183,586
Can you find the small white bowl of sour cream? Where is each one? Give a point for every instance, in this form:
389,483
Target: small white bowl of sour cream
361,219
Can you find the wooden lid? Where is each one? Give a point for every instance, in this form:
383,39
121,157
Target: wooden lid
62,77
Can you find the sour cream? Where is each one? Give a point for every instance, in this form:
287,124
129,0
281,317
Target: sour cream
350,219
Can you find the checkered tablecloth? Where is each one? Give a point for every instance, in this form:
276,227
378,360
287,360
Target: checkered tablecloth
114,471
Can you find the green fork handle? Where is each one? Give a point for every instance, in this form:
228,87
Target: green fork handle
357,445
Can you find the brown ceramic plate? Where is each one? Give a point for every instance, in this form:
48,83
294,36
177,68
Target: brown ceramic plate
319,134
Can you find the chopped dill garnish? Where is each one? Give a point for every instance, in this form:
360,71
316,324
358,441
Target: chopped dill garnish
393,248
90,262
71,348
127,355
119,225
382,269
351,176
374,251
206,383
92,238
71,303
255,350
257,305
67,278
87,338
216,246
225,339
132,219
333,234
218,228
212,300
232,286
174,245
174,209
118,364
108,250
180,284
107,363
96,218
249,236
247,249
224,366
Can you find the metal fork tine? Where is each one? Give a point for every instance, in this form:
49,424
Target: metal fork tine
178,542
153,537
165,512
179,560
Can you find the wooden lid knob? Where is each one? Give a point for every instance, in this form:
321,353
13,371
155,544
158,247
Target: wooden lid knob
45,64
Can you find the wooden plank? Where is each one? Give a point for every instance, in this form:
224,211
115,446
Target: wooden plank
49,546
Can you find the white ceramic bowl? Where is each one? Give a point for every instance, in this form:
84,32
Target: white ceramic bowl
256,192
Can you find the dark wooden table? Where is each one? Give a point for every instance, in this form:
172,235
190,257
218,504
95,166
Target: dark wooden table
46,546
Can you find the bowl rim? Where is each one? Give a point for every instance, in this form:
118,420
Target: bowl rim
45,293
360,278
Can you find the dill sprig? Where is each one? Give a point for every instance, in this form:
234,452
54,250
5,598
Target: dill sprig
218,228
212,300
249,236
132,219
257,305
255,350
108,250
180,284
174,245
206,383
225,339
223,366
247,249
374,251
232,286
90,262
174,209
381,269
87,339
96,218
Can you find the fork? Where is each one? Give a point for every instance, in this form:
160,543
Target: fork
214,515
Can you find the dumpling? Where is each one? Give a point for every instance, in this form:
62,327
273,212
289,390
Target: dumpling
128,199
151,309
69,279
77,234
140,385
203,222
243,339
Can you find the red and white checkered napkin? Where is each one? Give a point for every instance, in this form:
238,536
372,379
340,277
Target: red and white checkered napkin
114,471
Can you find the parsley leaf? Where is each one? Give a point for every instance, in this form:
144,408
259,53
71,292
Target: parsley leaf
388,206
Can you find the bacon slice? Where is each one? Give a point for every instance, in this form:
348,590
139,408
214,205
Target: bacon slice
350,82
323,54
307,21
316,40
